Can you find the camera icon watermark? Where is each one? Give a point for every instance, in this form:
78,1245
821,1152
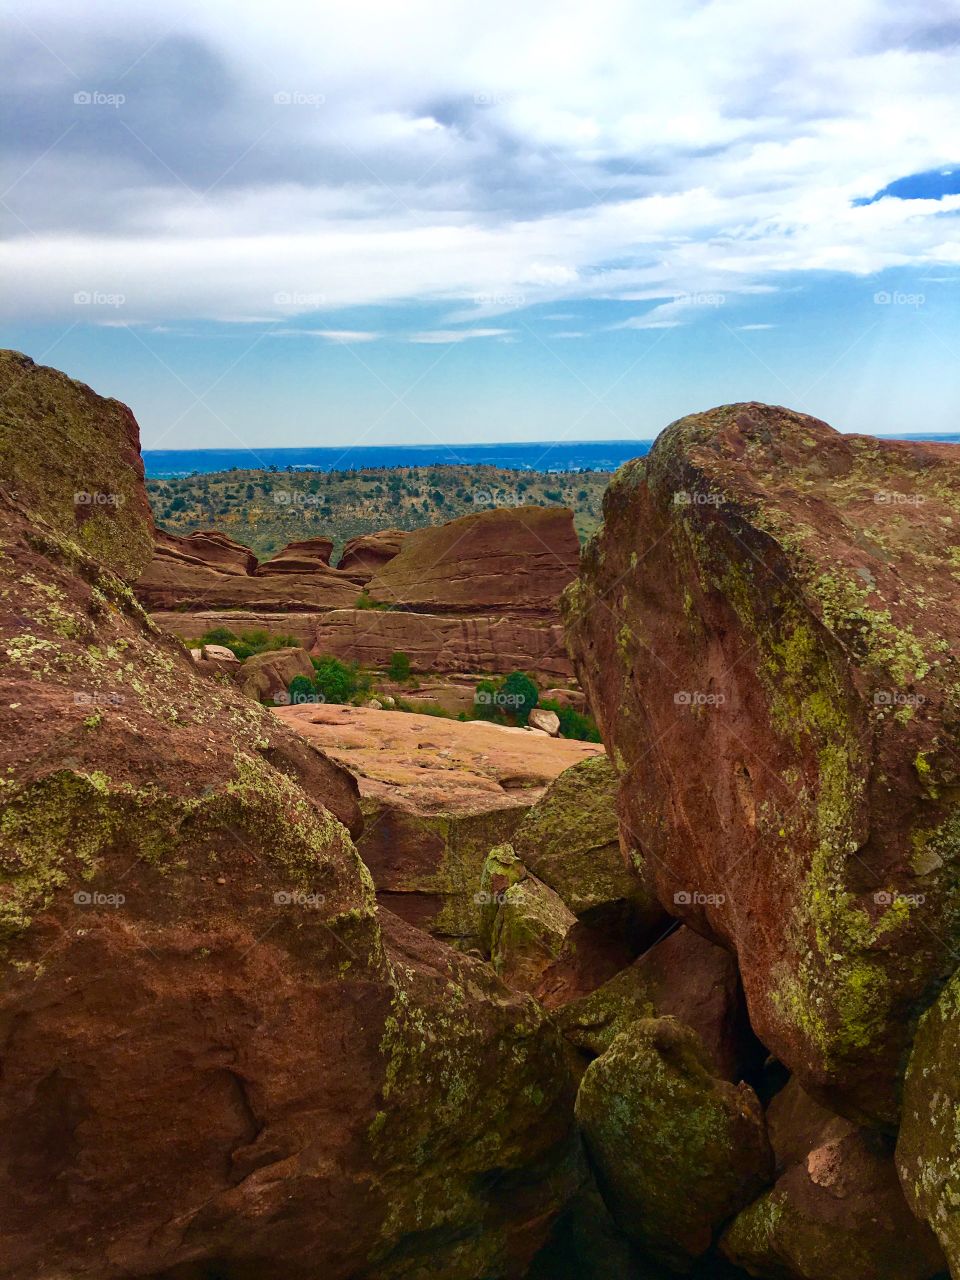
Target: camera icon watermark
297,898
694,898
890,898
89,898
896,298
97,98
696,698
696,498
85,498
294,98
896,698
485,898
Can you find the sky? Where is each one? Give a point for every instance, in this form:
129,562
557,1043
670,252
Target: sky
325,223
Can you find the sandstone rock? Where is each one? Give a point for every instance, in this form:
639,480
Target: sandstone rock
85,481
928,1148
676,1150
266,676
838,1214
438,795
767,635
208,571
219,1057
375,704
528,932
683,976
192,624
547,721
299,557
218,653
570,841
514,561
436,644
566,698
796,1125
362,557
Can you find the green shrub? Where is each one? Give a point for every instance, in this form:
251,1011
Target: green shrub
302,689
399,668
337,681
573,723
486,706
519,694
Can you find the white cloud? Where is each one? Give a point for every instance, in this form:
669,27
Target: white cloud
458,335
625,151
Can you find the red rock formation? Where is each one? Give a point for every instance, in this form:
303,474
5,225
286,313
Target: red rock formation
768,636
437,644
219,1057
299,557
362,557
514,561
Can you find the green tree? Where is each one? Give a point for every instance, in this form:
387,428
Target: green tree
519,695
335,681
302,689
399,668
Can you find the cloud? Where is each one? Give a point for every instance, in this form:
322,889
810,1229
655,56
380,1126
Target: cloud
458,335
753,328
264,165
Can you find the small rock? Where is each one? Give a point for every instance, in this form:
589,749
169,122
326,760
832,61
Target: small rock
387,701
548,721
219,653
375,704
196,654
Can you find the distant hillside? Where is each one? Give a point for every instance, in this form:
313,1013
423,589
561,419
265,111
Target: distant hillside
267,509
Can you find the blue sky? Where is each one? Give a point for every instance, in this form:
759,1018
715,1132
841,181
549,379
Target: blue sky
324,224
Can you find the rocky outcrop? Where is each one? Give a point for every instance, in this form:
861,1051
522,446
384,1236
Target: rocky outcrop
512,561
267,676
928,1148
682,976
676,1150
191,625
364,556
204,572
436,644
438,794
766,630
219,1056
837,1211
299,557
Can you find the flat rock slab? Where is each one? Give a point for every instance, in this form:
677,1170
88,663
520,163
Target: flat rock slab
430,765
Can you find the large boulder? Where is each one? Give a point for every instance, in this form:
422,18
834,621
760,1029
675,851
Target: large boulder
85,480
570,841
838,1214
928,1148
266,676
512,560
767,634
676,1150
438,794
683,976
437,643
220,1058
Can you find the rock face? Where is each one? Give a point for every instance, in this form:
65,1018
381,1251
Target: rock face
267,676
767,634
88,482
219,1057
206,572
509,561
928,1149
436,644
299,557
364,556
192,624
682,976
675,1149
837,1212
438,795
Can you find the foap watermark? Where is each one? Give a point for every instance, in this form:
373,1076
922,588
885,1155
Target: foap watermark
286,699
97,298
296,498
497,698
896,698
294,298
891,897
97,98
694,898
696,498
97,498
700,299
895,298
297,898
296,98
487,897
889,498
91,898
697,698
489,99
487,498
499,300
86,699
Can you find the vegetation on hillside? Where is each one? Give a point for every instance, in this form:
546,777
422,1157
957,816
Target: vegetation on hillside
267,509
